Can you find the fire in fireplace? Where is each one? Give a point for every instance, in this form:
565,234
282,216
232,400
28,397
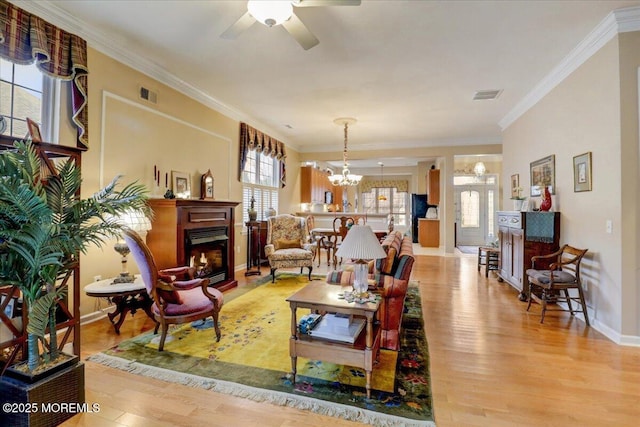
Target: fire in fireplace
206,250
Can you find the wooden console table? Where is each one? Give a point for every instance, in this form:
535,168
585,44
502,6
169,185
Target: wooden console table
322,297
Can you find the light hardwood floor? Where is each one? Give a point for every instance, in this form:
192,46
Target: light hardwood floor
492,364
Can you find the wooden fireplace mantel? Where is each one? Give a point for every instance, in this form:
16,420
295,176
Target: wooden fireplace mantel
174,217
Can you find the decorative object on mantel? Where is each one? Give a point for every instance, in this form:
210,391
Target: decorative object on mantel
206,186
169,194
253,214
545,206
346,178
181,184
582,172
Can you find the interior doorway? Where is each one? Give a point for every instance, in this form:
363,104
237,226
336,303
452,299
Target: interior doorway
476,202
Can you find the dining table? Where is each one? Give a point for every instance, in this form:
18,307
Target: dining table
328,240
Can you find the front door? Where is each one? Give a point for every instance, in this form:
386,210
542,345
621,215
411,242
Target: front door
475,204
470,218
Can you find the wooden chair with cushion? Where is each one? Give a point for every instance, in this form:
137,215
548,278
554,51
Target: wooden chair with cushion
288,244
553,284
177,296
341,226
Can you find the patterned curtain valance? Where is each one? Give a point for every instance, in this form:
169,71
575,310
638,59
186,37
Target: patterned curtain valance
25,38
398,184
252,139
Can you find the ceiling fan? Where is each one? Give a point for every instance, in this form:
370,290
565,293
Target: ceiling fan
277,12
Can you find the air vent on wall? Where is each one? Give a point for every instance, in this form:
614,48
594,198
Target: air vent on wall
148,95
482,95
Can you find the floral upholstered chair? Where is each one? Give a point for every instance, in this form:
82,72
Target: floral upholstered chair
288,244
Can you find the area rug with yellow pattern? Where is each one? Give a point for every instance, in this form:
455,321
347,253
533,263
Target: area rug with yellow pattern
252,360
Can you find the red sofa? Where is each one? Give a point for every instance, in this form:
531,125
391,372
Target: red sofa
390,276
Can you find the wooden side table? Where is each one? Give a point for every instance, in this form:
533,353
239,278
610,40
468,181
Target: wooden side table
323,297
127,297
253,248
489,257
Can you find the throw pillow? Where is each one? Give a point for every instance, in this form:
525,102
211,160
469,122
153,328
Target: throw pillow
287,244
387,263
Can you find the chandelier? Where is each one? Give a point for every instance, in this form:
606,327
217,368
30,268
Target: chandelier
346,178
479,169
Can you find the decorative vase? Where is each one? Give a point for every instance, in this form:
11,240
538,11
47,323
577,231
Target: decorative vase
517,204
253,214
545,206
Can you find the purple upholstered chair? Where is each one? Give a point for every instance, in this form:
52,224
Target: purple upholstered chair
177,296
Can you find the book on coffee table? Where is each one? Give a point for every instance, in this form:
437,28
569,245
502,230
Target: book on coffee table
332,327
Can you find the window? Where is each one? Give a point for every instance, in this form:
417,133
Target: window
261,181
27,92
393,201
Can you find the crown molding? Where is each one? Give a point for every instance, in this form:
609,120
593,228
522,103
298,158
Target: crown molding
444,142
115,48
618,21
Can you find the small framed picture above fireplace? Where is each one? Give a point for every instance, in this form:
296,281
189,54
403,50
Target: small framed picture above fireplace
181,184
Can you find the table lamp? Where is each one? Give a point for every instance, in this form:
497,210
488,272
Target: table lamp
138,222
361,245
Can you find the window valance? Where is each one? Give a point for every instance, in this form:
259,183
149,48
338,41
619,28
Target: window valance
25,38
398,184
252,139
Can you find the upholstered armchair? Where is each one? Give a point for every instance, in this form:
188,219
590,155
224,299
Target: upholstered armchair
177,296
288,244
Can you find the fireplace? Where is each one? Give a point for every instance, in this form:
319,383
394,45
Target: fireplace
206,250
198,233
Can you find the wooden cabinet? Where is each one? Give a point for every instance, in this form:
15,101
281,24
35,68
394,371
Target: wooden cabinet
314,185
523,235
429,232
433,192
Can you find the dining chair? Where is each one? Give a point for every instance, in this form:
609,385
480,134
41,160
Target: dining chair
554,283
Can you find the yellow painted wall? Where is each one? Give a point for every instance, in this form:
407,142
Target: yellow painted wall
129,136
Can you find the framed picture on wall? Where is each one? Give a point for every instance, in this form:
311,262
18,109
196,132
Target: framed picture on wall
181,184
34,130
582,172
515,186
543,174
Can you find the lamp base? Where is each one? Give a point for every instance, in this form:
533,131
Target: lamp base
360,282
123,278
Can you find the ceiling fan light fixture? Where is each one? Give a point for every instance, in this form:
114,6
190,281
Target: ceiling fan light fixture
270,12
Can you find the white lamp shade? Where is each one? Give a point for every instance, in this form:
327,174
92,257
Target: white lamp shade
135,220
361,243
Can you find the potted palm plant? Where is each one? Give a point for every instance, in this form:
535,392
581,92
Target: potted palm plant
44,226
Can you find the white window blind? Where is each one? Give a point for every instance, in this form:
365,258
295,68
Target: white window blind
260,181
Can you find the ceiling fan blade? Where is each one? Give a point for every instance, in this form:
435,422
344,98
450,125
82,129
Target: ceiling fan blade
244,22
300,32
315,3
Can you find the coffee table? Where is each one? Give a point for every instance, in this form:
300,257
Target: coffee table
322,297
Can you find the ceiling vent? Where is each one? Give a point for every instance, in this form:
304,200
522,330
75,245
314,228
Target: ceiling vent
148,95
482,95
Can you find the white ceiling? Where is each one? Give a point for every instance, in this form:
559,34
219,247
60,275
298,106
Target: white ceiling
407,70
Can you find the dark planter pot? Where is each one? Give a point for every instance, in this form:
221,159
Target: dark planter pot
46,402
